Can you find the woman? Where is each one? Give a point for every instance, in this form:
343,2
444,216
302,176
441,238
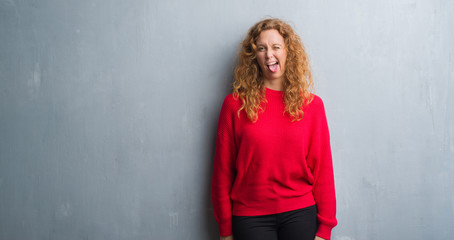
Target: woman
273,174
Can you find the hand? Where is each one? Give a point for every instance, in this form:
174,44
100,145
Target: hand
227,238
318,238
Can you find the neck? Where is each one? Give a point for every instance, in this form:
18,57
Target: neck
275,84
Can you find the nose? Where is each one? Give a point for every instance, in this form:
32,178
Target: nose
269,54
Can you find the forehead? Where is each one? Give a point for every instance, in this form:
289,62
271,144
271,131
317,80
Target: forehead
271,36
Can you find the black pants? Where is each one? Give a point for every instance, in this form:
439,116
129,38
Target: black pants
298,224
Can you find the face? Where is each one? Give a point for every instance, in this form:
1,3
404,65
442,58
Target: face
271,55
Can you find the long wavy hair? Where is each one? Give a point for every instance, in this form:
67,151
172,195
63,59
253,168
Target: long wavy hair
297,84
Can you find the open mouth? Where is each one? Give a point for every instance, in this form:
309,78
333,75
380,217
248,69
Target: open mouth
273,66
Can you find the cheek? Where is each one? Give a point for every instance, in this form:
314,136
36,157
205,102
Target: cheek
257,61
261,67
260,62
284,59
260,59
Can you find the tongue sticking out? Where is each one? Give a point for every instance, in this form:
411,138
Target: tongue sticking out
273,68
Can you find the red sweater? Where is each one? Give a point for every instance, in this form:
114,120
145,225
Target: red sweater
273,165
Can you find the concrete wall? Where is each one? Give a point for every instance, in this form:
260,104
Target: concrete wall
108,112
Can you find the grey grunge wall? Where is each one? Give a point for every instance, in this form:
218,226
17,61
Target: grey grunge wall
108,112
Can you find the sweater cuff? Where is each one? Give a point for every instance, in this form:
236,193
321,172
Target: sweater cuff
225,228
324,231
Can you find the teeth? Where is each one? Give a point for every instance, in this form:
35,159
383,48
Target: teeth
272,63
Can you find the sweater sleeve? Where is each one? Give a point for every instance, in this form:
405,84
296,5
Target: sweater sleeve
319,157
224,168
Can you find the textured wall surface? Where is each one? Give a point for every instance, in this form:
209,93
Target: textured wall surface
108,112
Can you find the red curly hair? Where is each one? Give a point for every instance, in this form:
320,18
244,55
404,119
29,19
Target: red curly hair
297,84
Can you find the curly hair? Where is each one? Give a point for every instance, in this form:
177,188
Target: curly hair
297,84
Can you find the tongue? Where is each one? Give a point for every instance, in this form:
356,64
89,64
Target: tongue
273,68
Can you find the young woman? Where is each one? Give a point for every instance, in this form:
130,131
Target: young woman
273,173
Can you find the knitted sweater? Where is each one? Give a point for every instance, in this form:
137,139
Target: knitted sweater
273,165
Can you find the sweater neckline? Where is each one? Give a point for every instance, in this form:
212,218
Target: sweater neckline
272,92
